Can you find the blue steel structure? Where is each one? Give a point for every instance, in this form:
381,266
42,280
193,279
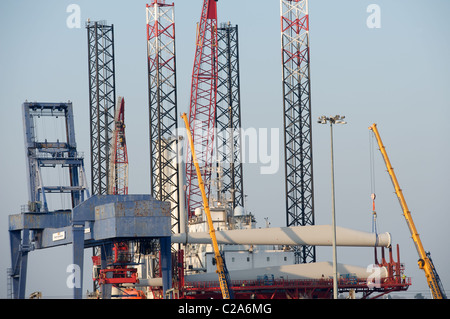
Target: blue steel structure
42,153
99,220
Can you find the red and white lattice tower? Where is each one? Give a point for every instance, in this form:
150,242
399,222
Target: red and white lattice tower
202,111
297,119
164,162
118,168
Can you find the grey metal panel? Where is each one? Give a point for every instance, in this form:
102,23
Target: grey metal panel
39,220
132,219
47,240
86,210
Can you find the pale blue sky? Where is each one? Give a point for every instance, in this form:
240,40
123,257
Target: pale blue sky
397,76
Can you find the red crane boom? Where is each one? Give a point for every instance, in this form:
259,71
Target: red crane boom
202,112
118,172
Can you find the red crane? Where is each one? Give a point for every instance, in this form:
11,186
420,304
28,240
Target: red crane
117,272
202,112
118,167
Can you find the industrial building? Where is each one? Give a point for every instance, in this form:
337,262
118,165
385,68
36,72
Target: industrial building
192,236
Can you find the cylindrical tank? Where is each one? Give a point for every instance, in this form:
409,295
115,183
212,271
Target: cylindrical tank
239,211
198,212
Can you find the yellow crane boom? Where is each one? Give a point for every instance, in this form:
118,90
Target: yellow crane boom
425,262
221,267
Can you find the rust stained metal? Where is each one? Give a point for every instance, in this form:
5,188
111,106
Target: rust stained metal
39,220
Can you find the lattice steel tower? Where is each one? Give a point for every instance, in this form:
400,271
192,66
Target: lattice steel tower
102,99
164,164
228,114
297,119
202,110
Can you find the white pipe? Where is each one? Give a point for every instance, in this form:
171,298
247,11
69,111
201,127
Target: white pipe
154,282
320,235
319,270
145,282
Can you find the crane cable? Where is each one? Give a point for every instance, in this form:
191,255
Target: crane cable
372,181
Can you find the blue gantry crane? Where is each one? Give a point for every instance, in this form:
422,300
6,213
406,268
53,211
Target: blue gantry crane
44,153
91,221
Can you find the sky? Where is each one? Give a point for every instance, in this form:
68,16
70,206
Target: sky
396,75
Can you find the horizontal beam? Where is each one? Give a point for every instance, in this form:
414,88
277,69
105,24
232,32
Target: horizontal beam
39,220
102,217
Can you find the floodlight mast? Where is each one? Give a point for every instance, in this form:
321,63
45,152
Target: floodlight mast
337,119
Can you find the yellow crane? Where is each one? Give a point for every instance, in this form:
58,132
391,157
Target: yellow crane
220,263
425,262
